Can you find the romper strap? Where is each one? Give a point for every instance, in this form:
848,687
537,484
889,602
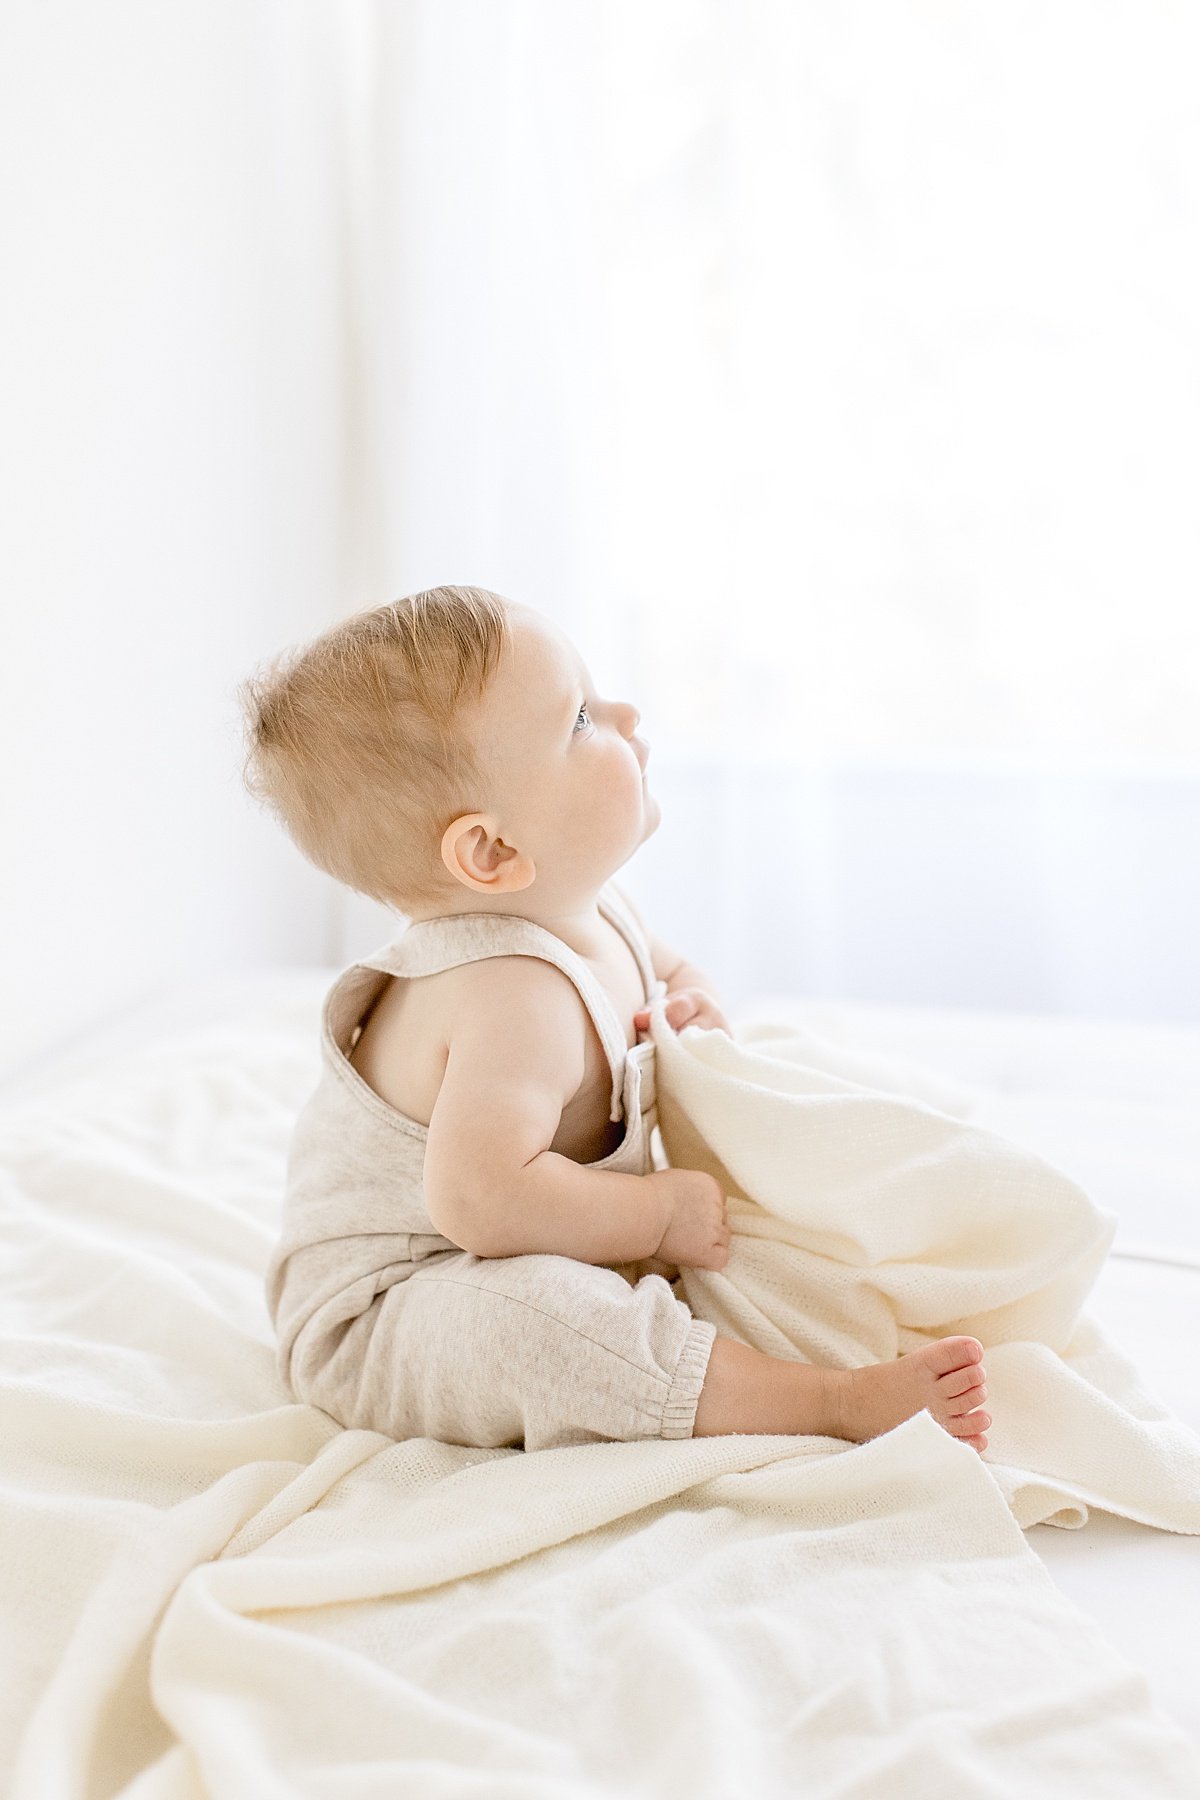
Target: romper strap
617,910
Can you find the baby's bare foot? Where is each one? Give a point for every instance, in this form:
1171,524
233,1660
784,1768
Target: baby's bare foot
945,1379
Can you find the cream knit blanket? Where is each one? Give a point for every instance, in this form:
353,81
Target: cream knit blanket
868,1220
215,1593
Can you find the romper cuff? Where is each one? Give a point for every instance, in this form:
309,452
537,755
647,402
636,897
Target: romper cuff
683,1396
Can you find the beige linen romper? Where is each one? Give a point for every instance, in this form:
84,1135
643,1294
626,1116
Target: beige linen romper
385,1324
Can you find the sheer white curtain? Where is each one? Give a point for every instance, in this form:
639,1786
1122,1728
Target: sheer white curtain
829,373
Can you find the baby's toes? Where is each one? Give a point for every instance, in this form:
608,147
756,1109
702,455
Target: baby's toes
969,1424
961,1381
949,1354
965,1403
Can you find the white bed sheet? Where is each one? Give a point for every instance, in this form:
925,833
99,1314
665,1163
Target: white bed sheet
1113,1105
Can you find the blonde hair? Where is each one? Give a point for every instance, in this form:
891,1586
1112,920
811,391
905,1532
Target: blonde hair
355,742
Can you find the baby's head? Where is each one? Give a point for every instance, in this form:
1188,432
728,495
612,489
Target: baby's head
447,753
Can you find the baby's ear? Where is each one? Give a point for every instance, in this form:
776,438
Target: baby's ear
481,860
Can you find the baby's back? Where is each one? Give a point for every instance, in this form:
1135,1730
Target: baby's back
404,1044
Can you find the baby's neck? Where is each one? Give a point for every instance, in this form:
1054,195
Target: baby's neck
582,928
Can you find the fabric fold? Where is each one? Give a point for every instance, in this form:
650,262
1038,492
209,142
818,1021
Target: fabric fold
867,1223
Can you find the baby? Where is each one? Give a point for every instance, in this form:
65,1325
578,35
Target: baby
478,1242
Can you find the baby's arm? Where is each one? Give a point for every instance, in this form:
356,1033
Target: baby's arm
517,1045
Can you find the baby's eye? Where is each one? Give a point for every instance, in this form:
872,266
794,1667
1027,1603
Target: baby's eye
582,714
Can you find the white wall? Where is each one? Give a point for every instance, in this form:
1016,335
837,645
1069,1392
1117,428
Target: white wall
176,443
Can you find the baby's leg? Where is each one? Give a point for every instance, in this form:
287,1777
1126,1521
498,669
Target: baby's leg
547,1351
747,1391
536,1350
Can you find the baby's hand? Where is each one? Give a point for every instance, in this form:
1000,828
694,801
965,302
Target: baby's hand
687,1006
697,1235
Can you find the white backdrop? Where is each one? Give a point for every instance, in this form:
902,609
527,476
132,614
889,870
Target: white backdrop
829,374
174,431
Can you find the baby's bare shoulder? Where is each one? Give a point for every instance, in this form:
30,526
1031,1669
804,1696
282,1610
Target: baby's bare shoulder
503,1013
516,1039
516,992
